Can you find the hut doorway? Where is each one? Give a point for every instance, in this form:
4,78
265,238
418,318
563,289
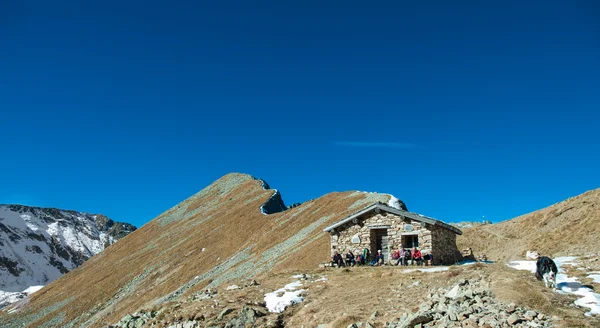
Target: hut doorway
379,241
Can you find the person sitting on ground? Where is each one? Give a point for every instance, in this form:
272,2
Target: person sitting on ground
405,257
395,260
366,256
337,259
379,258
350,261
428,259
359,259
416,257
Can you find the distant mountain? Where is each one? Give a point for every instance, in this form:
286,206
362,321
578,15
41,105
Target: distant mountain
569,227
38,245
236,228
470,224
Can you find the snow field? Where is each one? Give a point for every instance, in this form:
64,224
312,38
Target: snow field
566,284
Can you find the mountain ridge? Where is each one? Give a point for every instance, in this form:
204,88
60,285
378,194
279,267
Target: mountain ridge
566,227
217,235
39,244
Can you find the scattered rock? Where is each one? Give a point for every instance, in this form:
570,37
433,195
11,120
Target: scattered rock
513,319
223,313
417,319
469,304
511,308
252,283
530,315
453,293
233,287
374,315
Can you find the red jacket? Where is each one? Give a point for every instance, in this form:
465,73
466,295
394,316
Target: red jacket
416,254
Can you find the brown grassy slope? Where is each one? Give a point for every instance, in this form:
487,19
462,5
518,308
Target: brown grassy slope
352,295
568,227
164,260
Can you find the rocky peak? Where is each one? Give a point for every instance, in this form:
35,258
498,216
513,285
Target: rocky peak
41,244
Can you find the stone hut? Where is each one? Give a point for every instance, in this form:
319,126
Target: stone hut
380,226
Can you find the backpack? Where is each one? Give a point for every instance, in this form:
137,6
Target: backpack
366,254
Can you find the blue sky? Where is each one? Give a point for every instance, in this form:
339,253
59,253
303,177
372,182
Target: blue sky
461,110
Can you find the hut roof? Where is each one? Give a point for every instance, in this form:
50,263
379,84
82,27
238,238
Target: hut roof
392,210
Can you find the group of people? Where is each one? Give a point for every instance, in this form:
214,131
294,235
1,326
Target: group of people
399,256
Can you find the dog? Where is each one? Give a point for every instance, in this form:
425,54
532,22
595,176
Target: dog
546,270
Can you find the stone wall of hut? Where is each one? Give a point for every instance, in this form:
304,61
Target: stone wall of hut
444,248
356,236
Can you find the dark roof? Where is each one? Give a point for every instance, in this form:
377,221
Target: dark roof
393,210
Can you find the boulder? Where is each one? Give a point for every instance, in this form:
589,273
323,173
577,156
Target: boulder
453,293
417,318
513,319
530,315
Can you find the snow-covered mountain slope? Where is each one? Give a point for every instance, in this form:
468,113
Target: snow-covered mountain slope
38,245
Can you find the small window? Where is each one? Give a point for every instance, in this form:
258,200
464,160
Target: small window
410,241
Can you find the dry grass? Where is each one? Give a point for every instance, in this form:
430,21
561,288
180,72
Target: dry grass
240,242
565,228
521,287
166,253
352,296
355,295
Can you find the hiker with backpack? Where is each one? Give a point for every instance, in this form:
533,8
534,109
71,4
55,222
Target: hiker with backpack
428,259
378,259
337,259
365,256
416,257
404,257
350,261
395,260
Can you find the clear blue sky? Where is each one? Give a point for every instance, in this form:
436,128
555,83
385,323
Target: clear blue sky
461,110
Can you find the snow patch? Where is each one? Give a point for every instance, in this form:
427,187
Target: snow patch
523,265
7,298
566,284
595,276
288,296
29,223
52,229
433,269
33,289
394,202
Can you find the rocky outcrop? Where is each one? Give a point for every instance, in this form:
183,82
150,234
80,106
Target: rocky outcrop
470,304
117,230
275,204
245,317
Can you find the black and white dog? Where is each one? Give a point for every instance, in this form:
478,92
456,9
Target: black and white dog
546,270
